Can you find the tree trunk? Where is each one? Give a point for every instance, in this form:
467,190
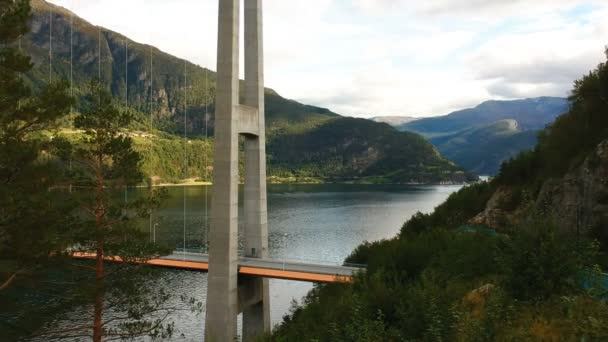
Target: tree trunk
99,257
99,293
9,281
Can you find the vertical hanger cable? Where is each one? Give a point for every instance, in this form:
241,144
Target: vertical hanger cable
185,161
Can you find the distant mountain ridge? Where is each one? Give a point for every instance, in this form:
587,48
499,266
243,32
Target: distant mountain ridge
394,120
483,149
481,138
531,114
325,144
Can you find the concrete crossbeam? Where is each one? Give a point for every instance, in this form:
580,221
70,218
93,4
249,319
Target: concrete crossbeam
248,121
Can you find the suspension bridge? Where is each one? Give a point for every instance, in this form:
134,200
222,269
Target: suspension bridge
299,270
237,282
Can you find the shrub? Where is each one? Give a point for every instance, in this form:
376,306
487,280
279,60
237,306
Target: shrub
539,261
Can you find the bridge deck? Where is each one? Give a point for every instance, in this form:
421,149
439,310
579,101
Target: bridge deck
259,267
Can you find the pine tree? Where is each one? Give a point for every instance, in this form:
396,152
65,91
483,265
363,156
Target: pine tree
41,224
30,218
104,159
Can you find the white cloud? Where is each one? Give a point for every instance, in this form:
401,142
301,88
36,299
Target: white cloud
387,89
543,58
383,57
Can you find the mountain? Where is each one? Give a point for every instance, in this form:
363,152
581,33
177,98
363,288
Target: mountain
531,114
394,120
361,149
154,79
481,138
163,91
483,149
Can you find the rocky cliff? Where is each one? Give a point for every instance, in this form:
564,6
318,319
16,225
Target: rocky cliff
576,201
580,199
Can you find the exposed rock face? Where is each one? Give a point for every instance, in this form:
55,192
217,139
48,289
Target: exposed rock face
476,299
580,199
495,216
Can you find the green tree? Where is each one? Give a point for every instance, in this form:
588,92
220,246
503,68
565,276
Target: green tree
29,216
539,261
108,227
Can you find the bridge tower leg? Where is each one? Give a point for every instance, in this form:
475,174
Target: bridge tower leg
256,317
227,295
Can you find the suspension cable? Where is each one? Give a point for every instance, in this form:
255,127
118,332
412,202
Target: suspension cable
99,52
20,35
151,93
71,54
50,45
71,73
126,101
151,124
185,148
206,161
126,73
99,64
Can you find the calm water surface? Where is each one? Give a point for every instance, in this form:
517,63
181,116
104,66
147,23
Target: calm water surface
306,222
322,223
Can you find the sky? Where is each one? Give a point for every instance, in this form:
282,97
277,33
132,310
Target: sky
367,58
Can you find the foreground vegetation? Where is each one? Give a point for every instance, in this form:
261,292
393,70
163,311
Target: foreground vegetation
442,285
442,280
42,229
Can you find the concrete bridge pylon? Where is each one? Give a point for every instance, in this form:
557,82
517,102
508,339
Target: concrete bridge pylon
227,293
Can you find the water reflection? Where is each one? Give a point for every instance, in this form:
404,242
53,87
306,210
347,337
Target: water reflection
306,222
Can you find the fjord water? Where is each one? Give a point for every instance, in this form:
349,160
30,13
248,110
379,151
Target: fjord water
316,223
309,223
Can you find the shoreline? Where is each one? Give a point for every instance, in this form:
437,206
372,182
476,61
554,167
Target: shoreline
345,182
269,182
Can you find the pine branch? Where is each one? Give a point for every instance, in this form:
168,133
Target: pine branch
10,280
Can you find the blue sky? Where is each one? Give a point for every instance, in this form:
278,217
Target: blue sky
388,57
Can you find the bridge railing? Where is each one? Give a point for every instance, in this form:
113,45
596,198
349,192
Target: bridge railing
278,260
318,262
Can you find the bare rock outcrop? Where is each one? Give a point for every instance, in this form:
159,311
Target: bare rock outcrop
495,215
577,201
477,298
580,199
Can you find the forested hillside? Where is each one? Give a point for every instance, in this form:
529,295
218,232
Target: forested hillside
163,91
363,150
483,149
520,258
153,79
